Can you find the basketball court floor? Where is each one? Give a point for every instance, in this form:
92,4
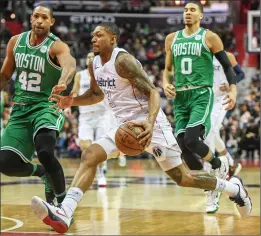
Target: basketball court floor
139,200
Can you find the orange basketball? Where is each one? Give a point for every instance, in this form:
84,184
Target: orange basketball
126,139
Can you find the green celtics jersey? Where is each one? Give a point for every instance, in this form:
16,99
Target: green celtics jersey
192,59
36,73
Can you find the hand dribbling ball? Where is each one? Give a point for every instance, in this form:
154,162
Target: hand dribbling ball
126,139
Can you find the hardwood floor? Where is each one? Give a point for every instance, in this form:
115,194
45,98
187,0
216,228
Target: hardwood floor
140,199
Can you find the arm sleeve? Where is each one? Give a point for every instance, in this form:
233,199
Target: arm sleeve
227,67
240,75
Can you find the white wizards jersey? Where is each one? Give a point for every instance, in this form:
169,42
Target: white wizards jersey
219,77
85,81
125,101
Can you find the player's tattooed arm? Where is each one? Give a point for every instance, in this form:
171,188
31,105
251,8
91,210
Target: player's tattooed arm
61,51
129,68
93,95
9,63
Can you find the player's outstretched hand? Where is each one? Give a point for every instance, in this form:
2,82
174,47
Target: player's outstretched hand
170,91
229,101
61,102
57,89
146,136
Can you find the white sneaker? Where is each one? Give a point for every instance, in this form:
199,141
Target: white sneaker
222,172
104,168
212,201
51,215
102,182
243,201
122,161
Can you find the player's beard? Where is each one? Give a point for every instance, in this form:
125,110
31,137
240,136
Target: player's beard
96,53
44,33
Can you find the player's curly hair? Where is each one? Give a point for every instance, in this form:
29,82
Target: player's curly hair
112,28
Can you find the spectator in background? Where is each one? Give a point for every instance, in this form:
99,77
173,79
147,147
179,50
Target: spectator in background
250,141
245,115
73,149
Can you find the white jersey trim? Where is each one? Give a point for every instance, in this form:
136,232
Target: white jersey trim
204,41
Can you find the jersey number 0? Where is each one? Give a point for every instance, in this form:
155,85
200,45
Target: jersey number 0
186,66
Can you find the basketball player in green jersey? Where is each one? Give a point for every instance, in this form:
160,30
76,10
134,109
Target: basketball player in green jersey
44,65
190,51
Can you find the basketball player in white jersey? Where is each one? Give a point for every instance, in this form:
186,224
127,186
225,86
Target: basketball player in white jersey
213,140
94,120
118,78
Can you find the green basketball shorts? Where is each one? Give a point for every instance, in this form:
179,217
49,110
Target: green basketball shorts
192,108
25,121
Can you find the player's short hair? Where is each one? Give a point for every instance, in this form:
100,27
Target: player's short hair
112,28
46,6
200,7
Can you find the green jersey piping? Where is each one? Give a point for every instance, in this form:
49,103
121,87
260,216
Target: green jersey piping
190,36
49,59
17,42
37,46
204,40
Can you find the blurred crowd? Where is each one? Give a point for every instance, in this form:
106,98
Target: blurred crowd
241,126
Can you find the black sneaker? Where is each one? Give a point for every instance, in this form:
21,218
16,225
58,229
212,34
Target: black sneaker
242,200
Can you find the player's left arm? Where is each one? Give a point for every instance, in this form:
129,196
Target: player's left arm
128,67
240,75
61,51
216,46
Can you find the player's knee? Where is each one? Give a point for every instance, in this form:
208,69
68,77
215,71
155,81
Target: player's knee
45,141
44,153
8,159
191,142
84,144
89,158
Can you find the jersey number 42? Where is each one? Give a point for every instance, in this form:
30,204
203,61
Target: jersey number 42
33,82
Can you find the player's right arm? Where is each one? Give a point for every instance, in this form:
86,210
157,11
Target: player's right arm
240,75
216,46
168,73
9,63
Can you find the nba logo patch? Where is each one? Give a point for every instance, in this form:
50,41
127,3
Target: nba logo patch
198,37
158,153
43,49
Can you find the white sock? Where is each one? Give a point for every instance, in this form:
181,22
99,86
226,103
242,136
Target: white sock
230,159
228,187
70,202
100,172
